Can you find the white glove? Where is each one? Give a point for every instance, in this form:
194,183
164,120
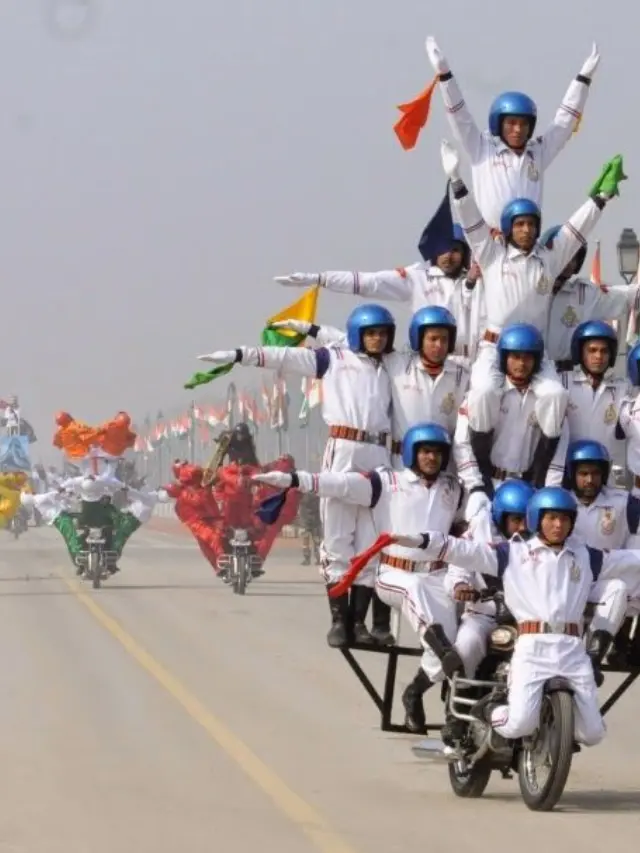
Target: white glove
476,503
450,160
279,479
162,496
302,327
436,56
299,279
223,356
591,63
409,541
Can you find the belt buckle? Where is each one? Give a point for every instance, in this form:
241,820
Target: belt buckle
555,628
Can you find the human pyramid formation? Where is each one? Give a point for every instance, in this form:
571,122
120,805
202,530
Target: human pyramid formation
502,413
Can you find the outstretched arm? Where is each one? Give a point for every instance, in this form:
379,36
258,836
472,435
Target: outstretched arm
297,360
360,489
573,234
387,285
569,112
473,556
463,124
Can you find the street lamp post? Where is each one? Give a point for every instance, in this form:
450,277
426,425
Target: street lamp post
628,260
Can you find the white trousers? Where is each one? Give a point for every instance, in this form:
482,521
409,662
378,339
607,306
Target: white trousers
611,607
486,389
348,529
423,601
536,659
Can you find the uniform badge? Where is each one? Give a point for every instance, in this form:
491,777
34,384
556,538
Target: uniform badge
608,522
448,403
574,572
543,286
532,420
569,318
532,171
447,495
611,414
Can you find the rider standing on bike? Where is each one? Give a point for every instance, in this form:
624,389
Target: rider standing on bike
548,579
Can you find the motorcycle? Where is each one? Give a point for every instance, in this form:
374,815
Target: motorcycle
96,561
477,750
239,572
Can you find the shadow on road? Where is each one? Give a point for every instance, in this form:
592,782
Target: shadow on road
600,801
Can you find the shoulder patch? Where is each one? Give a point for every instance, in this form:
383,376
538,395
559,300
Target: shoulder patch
402,271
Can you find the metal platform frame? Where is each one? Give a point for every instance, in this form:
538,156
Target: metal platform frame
384,701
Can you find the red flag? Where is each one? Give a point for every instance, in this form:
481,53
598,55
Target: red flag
414,117
358,563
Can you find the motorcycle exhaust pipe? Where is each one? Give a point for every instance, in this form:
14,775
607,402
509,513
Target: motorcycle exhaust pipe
431,749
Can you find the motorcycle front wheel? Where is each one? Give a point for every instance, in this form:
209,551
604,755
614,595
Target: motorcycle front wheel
470,782
550,755
240,569
93,569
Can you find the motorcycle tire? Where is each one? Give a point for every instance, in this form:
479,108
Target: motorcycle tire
240,569
559,735
473,783
93,569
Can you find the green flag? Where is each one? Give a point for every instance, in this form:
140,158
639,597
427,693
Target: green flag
611,175
207,376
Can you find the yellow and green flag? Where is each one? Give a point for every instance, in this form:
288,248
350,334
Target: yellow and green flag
303,308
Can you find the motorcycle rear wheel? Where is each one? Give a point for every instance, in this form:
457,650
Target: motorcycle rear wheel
557,730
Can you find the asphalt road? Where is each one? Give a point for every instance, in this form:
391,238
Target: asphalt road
163,713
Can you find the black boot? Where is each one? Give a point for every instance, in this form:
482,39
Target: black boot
481,445
415,718
359,601
381,619
599,644
484,708
542,457
446,653
338,636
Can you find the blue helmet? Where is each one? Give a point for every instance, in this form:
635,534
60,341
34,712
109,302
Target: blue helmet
365,317
520,337
592,330
587,450
518,207
633,365
547,241
431,315
511,497
511,104
427,433
549,499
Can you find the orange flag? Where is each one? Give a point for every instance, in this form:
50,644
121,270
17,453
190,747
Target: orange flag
414,117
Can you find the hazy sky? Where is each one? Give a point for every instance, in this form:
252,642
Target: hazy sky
158,172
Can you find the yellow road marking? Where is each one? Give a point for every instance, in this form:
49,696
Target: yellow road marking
299,812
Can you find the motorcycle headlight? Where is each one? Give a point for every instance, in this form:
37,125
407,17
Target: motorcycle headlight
503,638
241,535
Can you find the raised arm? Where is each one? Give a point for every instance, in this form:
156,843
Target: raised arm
624,565
476,230
355,488
386,285
573,234
555,473
463,124
463,456
608,302
569,112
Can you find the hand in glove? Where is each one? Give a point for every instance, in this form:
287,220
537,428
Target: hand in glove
279,479
476,503
436,56
464,592
224,356
610,178
416,540
591,63
299,279
450,160
301,327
